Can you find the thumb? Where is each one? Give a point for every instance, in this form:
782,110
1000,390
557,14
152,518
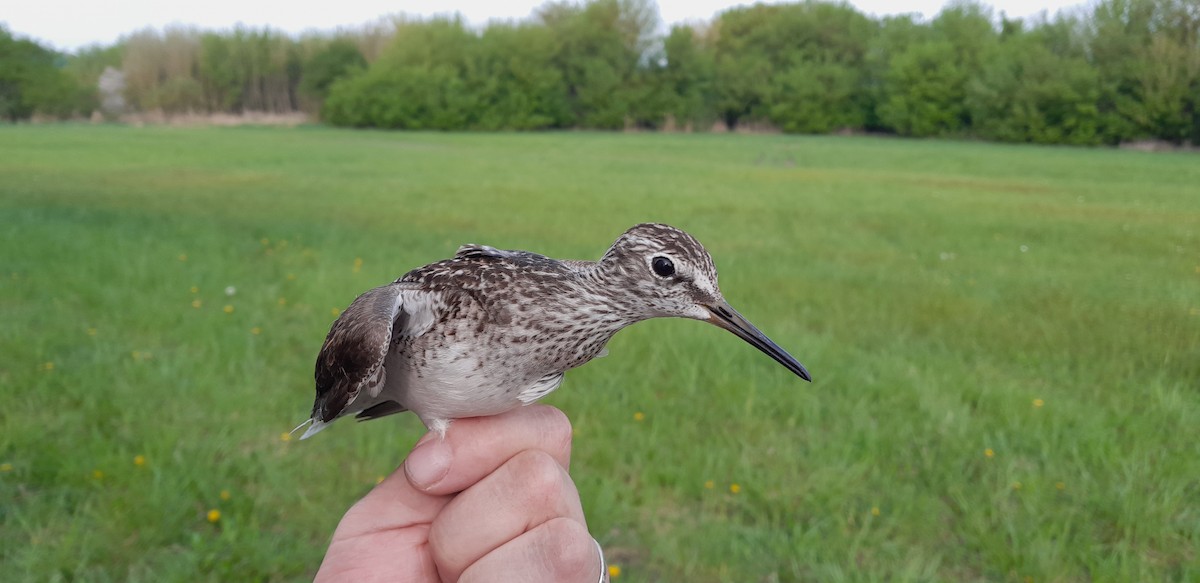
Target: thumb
385,535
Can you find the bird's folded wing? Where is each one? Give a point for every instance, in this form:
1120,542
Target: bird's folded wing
540,388
352,359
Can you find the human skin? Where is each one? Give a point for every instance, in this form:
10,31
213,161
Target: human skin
492,501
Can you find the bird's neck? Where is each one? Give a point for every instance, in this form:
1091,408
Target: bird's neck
611,285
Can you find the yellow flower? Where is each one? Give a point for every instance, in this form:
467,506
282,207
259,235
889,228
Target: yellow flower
989,453
1038,403
710,485
48,366
639,416
139,460
1016,485
213,515
734,488
97,474
282,301
265,241
228,309
195,289
874,511
336,312
285,436
183,256
1060,485
379,479
291,277
1194,311
91,331
196,303
256,330
6,467
225,495
614,571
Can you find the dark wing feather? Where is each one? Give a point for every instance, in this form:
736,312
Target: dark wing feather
351,360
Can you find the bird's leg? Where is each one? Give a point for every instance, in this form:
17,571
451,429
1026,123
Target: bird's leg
438,426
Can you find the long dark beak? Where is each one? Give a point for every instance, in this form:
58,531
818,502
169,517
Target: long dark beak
728,318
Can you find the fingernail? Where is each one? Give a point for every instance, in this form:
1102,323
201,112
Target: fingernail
428,463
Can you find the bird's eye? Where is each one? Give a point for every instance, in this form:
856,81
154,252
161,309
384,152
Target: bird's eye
663,266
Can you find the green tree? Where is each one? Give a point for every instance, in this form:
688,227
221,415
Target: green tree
1036,86
925,84
340,58
798,66
687,77
418,83
518,85
32,80
600,47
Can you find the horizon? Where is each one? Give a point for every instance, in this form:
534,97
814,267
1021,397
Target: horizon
100,25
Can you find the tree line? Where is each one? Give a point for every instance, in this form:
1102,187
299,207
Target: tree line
1110,72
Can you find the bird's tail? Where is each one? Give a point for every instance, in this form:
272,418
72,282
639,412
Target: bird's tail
314,427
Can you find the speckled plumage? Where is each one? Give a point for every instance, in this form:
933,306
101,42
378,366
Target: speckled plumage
491,330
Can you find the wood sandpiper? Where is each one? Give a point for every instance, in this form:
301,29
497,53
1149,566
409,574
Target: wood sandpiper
491,330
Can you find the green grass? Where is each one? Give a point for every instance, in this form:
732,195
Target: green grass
934,289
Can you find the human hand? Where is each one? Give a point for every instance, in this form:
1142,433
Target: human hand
492,501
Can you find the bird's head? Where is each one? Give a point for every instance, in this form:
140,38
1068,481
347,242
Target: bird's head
669,274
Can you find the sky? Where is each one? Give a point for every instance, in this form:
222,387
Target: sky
69,24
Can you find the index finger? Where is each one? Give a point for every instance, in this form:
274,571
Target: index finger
474,448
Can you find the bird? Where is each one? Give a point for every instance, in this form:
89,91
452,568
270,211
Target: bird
490,330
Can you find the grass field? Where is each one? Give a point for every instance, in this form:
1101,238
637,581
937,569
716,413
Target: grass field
1005,343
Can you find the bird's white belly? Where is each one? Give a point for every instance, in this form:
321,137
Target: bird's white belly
452,383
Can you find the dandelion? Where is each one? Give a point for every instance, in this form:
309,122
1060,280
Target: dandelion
139,460
285,436
225,495
1060,486
195,289
6,467
183,256
709,485
230,290
358,264
91,331
213,515
291,277
336,312
639,416
379,479
256,330
97,474
874,511
989,453
197,303
614,571
1016,485
282,301
1037,403
47,366
265,241
228,309
734,488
